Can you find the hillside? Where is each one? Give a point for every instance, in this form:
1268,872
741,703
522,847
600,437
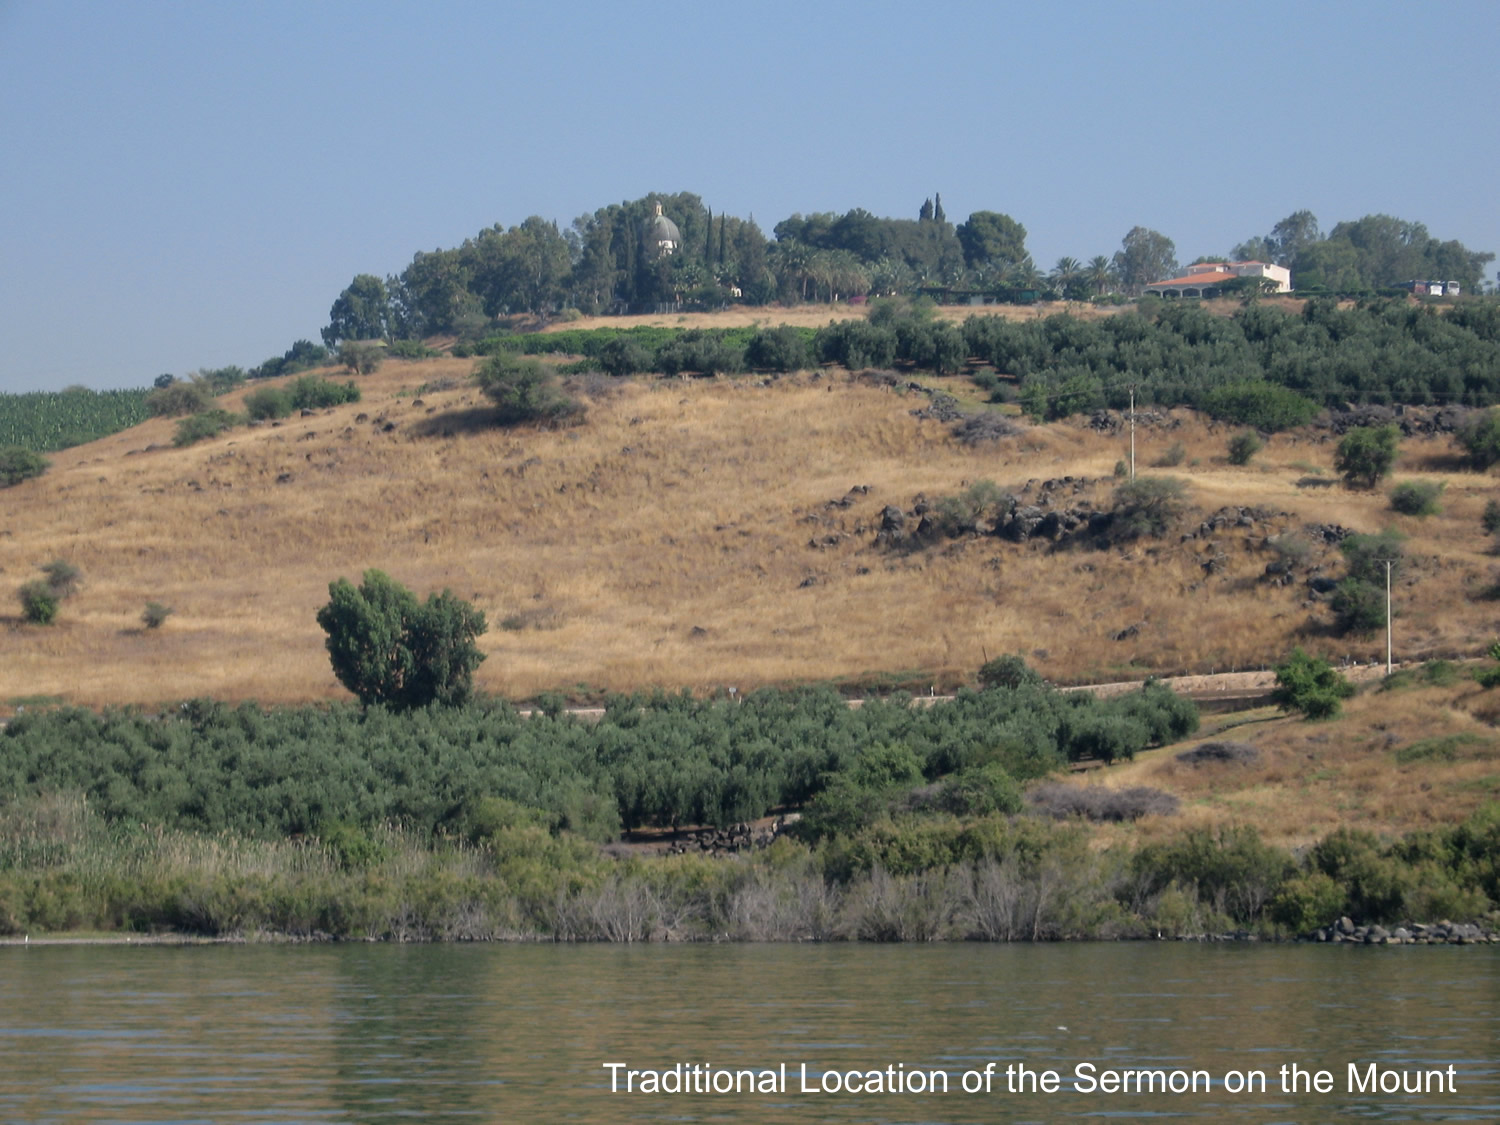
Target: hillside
696,534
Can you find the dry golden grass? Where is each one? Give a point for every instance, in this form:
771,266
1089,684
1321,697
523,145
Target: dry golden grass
1314,777
667,542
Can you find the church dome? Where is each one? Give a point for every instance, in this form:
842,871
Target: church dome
662,235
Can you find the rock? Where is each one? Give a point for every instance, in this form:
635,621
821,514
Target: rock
1322,584
892,520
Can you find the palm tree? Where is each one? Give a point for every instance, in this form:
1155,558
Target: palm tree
1100,275
1066,275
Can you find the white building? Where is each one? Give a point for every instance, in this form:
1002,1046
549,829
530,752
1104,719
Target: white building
1207,279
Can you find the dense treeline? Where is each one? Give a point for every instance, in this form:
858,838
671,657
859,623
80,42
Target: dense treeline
663,760
1182,354
621,258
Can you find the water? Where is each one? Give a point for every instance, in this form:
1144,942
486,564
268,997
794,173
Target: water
519,1033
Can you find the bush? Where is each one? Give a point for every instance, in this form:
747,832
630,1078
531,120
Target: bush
313,392
386,647
1367,454
1417,498
1244,446
1098,803
42,597
526,390
363,357
1147,506
1171,457
209,424
268,402
1009,671
1310,684
18,464
778,349
180,397
1265,406
155,615
39,604
1480,437
1490,521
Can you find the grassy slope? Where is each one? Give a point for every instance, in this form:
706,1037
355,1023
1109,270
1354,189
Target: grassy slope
666,542
1393,762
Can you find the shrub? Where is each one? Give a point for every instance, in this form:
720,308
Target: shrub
1244,446
179,397
155,615
39,604
18,464
209,424
1310,684
42,597
1009,671
1240,753
1490,521
313,392
363,357
62,577
1367,454
1306,902
386,647
1172,456
1265,406
526,390
1480,437
1417,498
778,349
1147,506
268,402
624,356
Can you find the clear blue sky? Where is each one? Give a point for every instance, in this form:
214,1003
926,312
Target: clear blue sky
191,184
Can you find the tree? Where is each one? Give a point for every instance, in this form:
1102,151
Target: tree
1145,256
388,648
1100,273
1480,436
1292,235
1311,685
41,597
1359,601
1367,454
361,312
991,239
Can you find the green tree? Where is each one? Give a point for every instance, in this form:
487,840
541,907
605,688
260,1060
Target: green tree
992,239
388,648
1367,454
42,597
361,312
1145,256
362,357
1311,685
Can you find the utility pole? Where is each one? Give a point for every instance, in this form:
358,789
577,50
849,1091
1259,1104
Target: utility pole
1132,431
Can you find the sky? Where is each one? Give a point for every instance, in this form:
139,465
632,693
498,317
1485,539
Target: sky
188,185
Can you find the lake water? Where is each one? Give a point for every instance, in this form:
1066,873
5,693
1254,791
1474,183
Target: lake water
356,1033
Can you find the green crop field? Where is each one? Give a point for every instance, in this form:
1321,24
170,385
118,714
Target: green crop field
50,420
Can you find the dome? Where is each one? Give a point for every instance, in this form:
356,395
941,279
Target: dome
662,235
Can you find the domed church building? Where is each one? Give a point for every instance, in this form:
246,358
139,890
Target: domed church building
663,239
